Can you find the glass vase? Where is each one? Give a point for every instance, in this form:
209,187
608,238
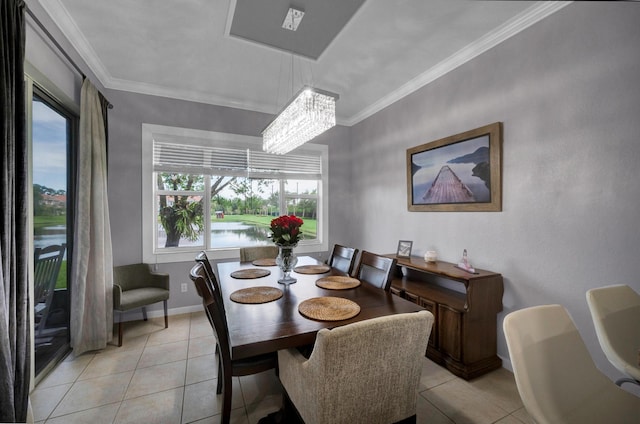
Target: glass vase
286,260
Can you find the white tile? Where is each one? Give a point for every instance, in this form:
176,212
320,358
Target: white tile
463,403
201,401
238,416
164,353
264,405
426,413
256,387
111,362
200,326
178,330
129,342
100,415
87,394
499,387
83,356
132,330
433,375
202,346
509,419
523,416
45,400
157,378
66,372
158,408
202,368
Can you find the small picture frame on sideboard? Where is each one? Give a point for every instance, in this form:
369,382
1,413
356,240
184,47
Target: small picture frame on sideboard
404,249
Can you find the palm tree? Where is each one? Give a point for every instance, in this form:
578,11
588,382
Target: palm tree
181,216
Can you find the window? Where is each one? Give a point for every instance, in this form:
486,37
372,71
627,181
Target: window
219,192
52,136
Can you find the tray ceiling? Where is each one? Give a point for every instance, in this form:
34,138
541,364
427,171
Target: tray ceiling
227,52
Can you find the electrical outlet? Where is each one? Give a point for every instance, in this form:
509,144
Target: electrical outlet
183,287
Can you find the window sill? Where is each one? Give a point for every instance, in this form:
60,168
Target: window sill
221,254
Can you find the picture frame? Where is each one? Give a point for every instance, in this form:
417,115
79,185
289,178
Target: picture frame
404,248
459,173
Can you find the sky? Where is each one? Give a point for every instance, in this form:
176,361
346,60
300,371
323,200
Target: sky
49,147
441,155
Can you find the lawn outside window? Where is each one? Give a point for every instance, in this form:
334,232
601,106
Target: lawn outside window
218,192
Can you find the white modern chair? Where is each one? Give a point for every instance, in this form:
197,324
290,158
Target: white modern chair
365,372
615,311
557,380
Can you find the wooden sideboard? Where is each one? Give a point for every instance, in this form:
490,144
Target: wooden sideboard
465,306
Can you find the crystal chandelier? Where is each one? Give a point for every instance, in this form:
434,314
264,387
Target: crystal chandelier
308,115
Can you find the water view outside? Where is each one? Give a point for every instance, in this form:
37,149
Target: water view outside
240,210
226,235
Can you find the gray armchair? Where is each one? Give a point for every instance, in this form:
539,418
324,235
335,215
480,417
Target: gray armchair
136,286
365,372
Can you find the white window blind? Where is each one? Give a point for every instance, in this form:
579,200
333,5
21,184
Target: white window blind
198,159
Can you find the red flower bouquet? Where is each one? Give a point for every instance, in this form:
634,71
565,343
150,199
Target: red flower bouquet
285,230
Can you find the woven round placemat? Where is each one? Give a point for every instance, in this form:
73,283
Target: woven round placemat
312,269
329,308
260,294
265,262
337,282
250,273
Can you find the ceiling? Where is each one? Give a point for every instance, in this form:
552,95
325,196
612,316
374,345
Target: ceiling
235,53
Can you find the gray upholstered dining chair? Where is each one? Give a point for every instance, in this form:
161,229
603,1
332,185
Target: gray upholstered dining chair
228,367
376,270
343,258
249,254
136,286
365,372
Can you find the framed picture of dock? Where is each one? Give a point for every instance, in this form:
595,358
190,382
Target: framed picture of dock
457,173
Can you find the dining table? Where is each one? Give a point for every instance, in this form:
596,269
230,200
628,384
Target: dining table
258,328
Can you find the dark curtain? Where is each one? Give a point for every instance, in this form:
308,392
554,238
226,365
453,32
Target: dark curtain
14,292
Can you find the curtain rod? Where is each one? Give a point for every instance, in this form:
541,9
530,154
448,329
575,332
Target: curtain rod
59,47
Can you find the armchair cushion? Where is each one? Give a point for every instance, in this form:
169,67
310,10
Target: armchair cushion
368,371
136,298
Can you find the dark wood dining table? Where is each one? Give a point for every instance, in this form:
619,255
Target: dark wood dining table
268,327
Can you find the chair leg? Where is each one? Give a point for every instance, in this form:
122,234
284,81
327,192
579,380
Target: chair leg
166,318
226,399
144,313
219,387
120,332
621,381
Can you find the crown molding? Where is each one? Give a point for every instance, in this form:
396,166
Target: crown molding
520,22
68,27
188,95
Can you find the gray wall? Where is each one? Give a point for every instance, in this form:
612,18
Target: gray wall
568,94
125,187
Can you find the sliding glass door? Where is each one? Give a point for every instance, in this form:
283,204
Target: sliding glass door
52,130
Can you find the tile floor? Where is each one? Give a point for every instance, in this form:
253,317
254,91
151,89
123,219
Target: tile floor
169,376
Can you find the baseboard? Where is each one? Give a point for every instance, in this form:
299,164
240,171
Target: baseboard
506,363
136,314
